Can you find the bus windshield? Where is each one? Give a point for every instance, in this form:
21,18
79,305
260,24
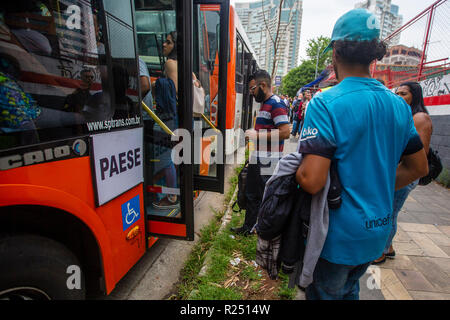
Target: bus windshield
65,69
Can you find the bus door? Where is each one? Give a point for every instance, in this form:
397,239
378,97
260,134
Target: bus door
210,38
247,99
253,106
166,47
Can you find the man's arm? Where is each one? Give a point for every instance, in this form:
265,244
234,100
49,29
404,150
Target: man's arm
313,173
283,133
145,85
411,168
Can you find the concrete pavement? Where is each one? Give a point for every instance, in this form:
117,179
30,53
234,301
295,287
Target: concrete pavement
421,268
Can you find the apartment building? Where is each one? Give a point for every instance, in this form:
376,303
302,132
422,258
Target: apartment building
388,14
260,21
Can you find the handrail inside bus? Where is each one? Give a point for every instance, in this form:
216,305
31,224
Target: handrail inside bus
164,127
157,120
209,123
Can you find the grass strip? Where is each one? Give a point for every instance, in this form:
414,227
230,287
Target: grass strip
230,273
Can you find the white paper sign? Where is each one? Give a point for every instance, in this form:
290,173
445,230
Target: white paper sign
118,161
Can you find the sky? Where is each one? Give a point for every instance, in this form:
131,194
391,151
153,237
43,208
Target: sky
319,16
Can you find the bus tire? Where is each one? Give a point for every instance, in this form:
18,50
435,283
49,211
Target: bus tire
34,267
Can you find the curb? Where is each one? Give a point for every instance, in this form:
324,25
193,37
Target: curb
224,222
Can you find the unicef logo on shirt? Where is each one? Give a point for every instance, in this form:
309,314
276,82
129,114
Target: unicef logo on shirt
309,133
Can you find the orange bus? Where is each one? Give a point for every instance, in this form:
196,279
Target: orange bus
87,182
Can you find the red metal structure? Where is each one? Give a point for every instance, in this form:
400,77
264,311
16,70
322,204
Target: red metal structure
434,60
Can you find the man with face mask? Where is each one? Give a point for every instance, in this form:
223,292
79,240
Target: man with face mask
271,129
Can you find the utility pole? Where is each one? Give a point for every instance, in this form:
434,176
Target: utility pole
317,62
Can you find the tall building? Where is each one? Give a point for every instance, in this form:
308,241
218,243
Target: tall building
260,19
389,17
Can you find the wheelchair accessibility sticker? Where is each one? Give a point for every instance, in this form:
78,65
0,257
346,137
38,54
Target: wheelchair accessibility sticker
130,212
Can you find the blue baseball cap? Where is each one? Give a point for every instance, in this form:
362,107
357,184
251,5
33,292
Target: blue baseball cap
355,25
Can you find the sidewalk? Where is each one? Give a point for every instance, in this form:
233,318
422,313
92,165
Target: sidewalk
421,268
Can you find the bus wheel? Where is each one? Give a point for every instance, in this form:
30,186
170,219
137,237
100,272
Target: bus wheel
38,268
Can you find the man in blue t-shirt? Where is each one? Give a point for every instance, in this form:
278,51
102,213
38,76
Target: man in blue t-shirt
369,133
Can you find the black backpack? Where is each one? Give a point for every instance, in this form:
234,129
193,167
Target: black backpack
434,168
241,200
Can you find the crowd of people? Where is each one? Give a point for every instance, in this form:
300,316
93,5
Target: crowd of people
296,109
376,139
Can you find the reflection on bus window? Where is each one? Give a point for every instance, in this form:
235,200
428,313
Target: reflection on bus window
76,101
208,68
18,109
53,61
212,19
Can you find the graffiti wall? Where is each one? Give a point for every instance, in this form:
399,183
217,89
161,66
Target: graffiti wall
437,86
436,93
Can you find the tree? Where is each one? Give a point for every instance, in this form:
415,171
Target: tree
306,72
277,35
298,77
316,47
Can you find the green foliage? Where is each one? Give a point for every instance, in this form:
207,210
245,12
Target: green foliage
215,249
317,45
444,178
285,293
298,77
305,73
189,274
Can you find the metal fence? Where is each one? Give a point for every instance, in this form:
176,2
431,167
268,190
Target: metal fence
419,50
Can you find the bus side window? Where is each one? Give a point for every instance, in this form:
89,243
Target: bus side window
208,37
53,69
125,75
239,61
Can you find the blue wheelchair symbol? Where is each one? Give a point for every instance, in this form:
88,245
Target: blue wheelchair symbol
130,212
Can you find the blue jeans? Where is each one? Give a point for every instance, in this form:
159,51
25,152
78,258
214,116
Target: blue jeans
295,127
300,126
335,281
400,197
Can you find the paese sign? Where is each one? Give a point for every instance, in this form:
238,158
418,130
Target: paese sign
118,162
